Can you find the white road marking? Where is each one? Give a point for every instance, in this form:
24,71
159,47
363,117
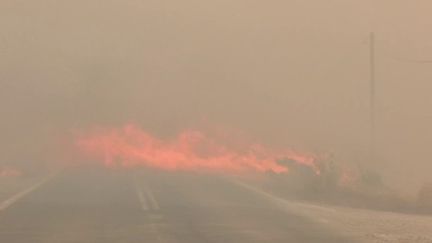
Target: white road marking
146,197
141,198
151,197
289,206
15,198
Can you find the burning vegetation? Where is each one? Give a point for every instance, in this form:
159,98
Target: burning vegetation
191,150
291,174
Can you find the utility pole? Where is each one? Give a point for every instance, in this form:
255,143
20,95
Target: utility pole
372,107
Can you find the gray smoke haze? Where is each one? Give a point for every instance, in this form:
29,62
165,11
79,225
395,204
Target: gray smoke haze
292,73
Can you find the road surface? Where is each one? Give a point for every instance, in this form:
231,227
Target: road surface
89,205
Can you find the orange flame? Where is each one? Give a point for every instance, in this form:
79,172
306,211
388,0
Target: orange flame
191,150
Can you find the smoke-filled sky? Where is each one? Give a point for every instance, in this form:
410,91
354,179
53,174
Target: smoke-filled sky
289,73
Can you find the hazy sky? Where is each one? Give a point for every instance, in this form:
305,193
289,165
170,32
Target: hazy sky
287,72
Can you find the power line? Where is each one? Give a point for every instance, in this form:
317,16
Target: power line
407,60
372,77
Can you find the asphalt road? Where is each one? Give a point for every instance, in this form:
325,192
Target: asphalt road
89,205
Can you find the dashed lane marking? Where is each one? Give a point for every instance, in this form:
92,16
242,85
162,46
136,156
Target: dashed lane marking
141,197
152,199
145,196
